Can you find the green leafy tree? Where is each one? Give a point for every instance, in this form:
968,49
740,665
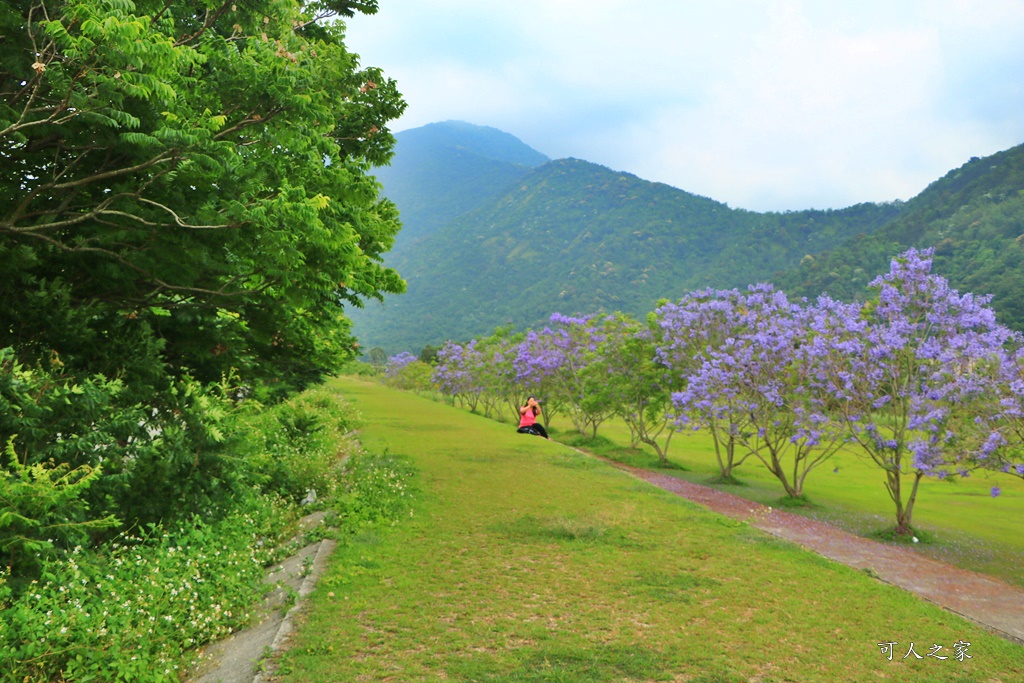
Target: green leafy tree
185,197
192,174
640,384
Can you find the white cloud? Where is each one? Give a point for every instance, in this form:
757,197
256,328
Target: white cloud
765,104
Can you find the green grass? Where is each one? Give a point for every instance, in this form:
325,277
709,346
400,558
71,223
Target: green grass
525,561
959,521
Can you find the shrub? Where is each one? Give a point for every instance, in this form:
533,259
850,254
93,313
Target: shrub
376,490
300,445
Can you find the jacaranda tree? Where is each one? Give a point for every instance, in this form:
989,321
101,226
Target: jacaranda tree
566,356
1000,444
687,333
904,371
753,381
457,373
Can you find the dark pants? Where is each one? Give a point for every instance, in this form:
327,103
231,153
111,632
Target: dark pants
535,429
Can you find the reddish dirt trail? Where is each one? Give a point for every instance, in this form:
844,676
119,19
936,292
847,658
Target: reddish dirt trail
988,601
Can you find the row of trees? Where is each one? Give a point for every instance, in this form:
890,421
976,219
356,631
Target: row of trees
921,379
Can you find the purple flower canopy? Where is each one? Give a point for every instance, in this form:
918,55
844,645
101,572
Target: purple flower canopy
399,362
922,377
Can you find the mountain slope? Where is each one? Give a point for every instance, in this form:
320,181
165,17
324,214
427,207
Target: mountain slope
442,170
576,237
974,219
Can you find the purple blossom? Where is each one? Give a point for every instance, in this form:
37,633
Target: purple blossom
397,363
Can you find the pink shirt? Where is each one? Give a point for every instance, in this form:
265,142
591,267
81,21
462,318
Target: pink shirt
527,418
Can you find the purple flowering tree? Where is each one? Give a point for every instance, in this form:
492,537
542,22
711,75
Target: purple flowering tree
458,373
537,361
397,363
566,357
981,411
1007,448
907,375
685,336
757,377
406,371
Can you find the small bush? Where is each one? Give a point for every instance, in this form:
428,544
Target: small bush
912,537
300,444
376,490
801,501
358,368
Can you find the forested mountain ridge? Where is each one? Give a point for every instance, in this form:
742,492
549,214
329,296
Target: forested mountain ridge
442,170
481,249
974,219
576,237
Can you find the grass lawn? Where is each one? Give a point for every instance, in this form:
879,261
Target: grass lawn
963,524
524,561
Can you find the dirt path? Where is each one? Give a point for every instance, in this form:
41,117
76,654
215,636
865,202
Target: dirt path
980,598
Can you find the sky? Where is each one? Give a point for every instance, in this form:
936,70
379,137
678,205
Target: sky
767,105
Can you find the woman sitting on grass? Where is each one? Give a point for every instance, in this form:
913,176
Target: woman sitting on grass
528,419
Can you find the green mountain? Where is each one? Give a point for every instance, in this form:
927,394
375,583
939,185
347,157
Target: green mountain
442,170
495,234
575,237
974,219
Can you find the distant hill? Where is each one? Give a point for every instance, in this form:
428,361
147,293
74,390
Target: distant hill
974,219
442,170
575,237
496,234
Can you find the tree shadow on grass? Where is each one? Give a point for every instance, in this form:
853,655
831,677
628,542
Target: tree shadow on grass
566,530
595,664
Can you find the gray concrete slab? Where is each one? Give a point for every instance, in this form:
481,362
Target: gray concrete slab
239,658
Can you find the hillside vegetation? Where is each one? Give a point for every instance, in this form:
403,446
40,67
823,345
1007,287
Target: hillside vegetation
577,237
488,241
974,219
447,169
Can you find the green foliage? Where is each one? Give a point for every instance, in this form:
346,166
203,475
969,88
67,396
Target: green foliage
578,238
376,491
299,445
359,368
185,214
641,386
41,507
167,462
378,357
134,607
133,612
428,354
73,463
168,210
46,414
973,217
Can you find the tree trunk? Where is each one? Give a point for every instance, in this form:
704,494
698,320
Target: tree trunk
793,490
904,510
725,464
